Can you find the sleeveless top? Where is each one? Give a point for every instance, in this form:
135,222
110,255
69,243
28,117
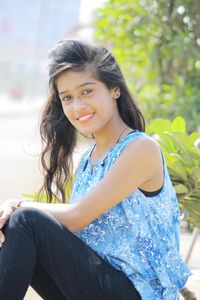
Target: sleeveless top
139,235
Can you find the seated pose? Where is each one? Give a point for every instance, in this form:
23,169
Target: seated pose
118,236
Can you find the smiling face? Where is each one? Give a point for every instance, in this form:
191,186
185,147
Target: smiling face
87,103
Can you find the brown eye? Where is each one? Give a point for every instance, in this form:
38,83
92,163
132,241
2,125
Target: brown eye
86,92
66,98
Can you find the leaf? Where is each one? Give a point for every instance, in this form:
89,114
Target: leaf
170,158
31,196
178,125
180,140
161,125
181,189
196,174
187,163
194,221
168,142
179,168
193,196
193,137
192,210
194,154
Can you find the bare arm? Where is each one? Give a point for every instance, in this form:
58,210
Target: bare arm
139,163
64,213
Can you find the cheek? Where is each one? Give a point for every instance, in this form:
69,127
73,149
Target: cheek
106,108
68,112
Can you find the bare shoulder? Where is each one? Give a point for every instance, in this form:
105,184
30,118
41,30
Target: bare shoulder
142,160
144,156
144,147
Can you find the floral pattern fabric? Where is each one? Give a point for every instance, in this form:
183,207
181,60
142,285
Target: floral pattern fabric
139,235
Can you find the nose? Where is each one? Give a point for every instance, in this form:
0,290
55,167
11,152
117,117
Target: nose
79,103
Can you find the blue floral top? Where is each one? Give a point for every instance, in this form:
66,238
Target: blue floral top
140,235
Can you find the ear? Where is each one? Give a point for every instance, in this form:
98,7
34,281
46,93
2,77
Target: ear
116,92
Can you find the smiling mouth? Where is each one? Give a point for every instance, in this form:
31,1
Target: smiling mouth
86,118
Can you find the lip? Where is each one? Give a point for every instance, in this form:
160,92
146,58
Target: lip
85,118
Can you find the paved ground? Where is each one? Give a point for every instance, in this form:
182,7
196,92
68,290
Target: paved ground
194,263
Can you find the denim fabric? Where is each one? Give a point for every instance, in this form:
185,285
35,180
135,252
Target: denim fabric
41,252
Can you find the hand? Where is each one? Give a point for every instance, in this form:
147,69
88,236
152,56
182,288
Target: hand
2,237
6,209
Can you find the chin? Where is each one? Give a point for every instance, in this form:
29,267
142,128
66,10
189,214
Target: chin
86,133
89,131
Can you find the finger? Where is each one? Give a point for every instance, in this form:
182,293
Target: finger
5,216
1,211
2,237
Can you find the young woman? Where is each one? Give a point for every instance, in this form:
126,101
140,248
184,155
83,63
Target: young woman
118,238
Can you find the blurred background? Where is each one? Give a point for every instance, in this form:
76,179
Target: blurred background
157,44
28,30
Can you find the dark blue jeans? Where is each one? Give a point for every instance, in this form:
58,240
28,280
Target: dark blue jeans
41,252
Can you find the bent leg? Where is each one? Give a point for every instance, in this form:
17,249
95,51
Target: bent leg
44,285
17,260
33,237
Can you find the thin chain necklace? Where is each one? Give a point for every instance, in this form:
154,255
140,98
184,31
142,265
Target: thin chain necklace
121,134
103,163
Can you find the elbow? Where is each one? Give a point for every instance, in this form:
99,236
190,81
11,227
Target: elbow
74,227
76,224
71,228
79,219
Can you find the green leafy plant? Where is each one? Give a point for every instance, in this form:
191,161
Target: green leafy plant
182,154
157,45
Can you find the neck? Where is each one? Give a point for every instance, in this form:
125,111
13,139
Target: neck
105,142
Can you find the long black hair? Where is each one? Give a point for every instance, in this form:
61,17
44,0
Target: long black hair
58,134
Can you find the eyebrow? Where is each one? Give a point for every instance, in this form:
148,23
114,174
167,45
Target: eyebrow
82,84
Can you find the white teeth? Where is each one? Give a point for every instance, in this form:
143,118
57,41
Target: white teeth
85,117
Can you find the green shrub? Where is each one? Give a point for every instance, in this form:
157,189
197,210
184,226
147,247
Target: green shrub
182,154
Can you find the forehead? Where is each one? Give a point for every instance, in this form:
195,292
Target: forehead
69,80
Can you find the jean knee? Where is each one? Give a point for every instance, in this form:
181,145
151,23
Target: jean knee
23,214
